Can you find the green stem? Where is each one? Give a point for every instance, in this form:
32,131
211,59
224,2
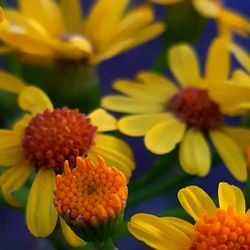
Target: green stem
157,188
160,166
105,245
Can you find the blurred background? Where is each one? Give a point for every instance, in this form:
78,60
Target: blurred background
13,232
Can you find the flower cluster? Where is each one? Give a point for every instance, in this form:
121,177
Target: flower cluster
76,165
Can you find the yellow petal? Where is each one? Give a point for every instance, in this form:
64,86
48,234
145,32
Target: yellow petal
11,83
71,11
138,125
41,214
69,235
231,154
241,55
163,137
240,135
207,8
135,19
13,179
196,202
241,77
184,65
115,152
20,125
110,51
34,100
218,61
2,16
103,120
131,105
138,90
231,196
166,1
9,137
157,233
100,29
46,12
234,21
146,34
194,153
11,155
180,224
162,87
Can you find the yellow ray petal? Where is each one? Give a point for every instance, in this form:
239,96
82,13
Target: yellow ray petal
240,135
41,214
231,196
163,137
72,14
69,235
140,91
184,65
218,61
20,125
234,21
11,155
139,125
34,100
100,29
231,154
46,12
146,34
157,233
241,55
11,83
2,16
115,152
134,20
103,120
9,137
196,202
184,226
241,77
131,105
207,8
13,179
194,153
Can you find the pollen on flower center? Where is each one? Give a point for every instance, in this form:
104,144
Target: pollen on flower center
90,194
224,231
194,107
55,136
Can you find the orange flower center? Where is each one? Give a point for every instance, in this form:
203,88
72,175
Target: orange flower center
90,194
194,107
224,231
55,136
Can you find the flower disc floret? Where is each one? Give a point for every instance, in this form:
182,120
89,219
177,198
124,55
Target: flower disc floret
194,107
55,136
90,194
223,231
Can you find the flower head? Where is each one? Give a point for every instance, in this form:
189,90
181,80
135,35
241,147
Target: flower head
91,196
227,20
58,30
226,227
187,112
42,140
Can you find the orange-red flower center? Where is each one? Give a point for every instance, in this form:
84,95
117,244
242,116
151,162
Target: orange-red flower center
91,193
224,231
55,136
194,107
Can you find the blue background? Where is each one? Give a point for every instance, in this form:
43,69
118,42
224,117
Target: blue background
13,232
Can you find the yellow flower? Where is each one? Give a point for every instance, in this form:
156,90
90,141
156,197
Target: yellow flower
167,115
226,227
58,30
226,19
42,140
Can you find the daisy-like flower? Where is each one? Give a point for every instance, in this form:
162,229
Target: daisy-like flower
91,198
58,30
167,115
223,228
226,18
42,140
